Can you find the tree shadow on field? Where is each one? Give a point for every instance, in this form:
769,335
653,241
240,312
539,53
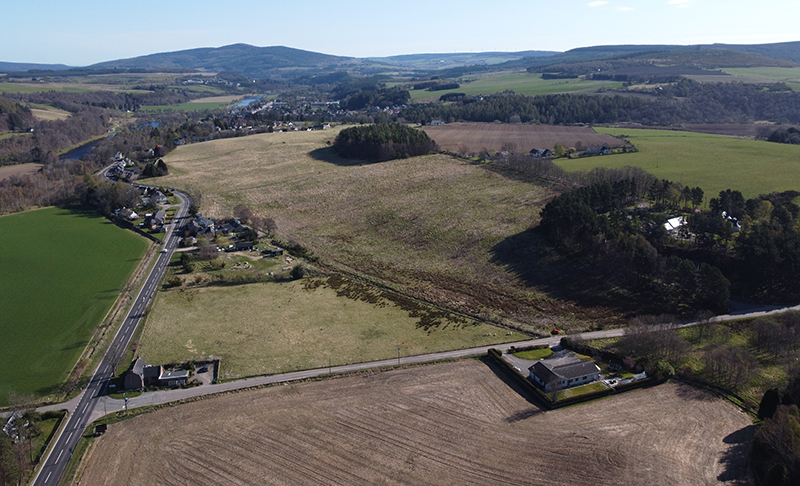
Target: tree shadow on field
75,345
735,460
534,260
505,376
330,156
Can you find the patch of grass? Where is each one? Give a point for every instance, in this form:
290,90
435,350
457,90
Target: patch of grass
713,162
277,327
62,271
578,391
774,74
534,353
523,83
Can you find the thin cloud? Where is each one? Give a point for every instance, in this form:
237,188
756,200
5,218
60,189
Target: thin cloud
679,3
598,3
624,9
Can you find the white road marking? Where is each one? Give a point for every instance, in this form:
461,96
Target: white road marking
70,436
59,455
48,477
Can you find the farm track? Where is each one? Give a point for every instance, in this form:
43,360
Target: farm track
450,423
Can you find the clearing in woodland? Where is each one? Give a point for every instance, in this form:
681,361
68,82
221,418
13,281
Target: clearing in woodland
277,327
450,423
426,226
465,138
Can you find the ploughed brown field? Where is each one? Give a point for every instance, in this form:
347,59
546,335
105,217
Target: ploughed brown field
494,137
451,423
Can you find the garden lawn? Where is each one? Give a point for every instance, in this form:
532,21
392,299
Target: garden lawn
713,162
61,272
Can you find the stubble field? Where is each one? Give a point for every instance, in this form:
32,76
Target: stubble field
426,226
452,423
494,137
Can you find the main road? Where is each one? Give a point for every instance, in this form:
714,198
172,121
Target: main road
56,461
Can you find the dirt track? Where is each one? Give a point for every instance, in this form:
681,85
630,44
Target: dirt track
453,423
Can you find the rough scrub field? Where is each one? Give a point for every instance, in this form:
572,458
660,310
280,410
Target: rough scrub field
495,137
269,328
19,170
452,423
430,226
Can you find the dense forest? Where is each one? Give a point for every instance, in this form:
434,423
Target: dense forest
695,270
684,102
379,143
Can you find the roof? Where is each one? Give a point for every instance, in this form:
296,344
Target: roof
563,366
674,223
174,375
138,366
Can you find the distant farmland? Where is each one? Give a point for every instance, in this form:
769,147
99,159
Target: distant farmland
475,137
713,162
61,272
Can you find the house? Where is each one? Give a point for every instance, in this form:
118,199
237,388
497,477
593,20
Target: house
173,378
128,214
674,224
140,375
244,245
541,153
201,225
273,253
563,370
437,123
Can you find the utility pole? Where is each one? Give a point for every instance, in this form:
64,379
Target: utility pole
398,355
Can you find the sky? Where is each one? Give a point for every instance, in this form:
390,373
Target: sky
83,32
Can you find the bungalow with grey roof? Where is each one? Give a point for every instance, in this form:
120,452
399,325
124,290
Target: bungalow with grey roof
563,370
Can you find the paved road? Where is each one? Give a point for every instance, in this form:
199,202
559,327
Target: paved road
109,405
81,416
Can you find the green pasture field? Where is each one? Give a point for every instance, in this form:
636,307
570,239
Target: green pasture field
36,88
767,73
523,83
713,162
62,270
277,327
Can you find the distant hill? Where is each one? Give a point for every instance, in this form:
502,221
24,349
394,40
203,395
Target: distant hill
449,60
252,61
26,66
785,54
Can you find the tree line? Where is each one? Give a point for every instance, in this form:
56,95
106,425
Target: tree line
684,102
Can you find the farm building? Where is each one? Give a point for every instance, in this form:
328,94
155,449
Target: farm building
563,370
